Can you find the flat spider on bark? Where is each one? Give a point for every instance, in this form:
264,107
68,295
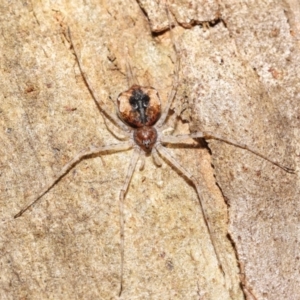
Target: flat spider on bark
142,121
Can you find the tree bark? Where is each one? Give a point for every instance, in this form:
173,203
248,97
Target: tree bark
239,78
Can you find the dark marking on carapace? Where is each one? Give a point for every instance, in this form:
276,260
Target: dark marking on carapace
139,103
139,106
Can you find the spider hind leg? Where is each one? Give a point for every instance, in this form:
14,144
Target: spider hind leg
167,156
130,171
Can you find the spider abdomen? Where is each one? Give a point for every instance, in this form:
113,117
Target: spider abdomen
139,106
145,137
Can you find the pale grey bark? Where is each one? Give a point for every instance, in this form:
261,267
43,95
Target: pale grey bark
239,77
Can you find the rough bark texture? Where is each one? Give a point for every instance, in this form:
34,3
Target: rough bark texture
239,77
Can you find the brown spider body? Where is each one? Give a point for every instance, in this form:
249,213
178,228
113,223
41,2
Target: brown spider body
139,106
145,137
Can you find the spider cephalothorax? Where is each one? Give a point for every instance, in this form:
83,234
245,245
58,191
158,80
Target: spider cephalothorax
145,137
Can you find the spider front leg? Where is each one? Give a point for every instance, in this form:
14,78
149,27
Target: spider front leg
167,155
209,135
101,106
173,91
130,171
78,157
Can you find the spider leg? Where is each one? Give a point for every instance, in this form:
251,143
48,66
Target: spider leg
142,161
117,132
101,106
131,78
175,139
172,94
77,158
209,135
156,157
167,155
133,162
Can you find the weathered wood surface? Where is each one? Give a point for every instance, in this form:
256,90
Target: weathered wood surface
239,77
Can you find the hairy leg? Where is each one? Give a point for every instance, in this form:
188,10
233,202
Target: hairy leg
173,91
167,155
171,139
130,171
77,158
101,106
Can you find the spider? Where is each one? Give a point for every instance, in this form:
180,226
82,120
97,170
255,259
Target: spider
142,121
